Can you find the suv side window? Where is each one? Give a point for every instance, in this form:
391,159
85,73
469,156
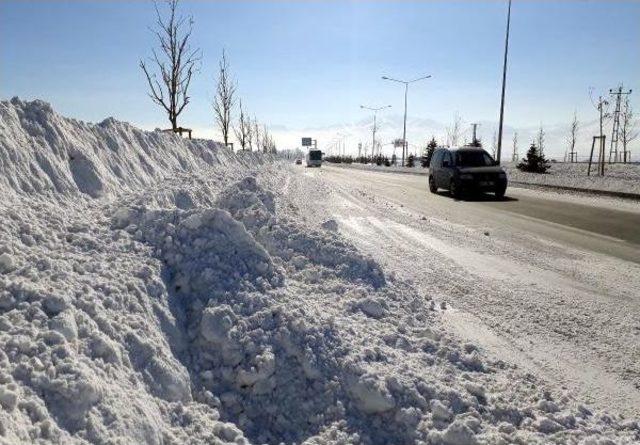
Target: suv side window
437,157
447,157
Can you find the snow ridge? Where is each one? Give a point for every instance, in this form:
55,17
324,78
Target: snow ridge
44,152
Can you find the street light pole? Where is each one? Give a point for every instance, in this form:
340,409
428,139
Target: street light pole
373,137
404,125
375,112
406,91
504,83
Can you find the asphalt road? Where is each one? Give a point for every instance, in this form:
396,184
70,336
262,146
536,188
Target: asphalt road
589,227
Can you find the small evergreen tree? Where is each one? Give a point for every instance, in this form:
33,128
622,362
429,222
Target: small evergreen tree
534,162
431,147
411,161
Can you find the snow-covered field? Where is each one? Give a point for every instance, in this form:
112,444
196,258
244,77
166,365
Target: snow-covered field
618,177
162,291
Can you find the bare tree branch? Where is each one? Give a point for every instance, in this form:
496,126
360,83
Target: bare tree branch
453,132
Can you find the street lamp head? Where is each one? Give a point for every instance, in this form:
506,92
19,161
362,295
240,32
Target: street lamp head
420,78
385,78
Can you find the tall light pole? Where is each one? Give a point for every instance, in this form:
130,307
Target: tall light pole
406,90
375,112
504,83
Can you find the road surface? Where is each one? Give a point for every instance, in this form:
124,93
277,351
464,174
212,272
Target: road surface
605,230
550,282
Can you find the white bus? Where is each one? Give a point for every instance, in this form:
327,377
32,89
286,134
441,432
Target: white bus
314,158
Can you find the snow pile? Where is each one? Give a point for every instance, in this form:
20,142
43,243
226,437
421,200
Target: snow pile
43,152
209,308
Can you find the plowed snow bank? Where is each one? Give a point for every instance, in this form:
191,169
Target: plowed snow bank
44,152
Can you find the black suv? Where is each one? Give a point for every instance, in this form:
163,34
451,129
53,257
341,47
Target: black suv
466,169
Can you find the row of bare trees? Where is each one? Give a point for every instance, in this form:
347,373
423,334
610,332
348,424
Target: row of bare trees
169,72
249,133
628,133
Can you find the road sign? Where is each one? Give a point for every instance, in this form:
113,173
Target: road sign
398,143
306,142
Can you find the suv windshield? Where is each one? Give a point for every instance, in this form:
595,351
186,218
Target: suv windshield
473,159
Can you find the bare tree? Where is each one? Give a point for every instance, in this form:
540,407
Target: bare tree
514,155
602,105
266,137
573,137
540,139
453,132
628,130
256,134
494,143
267,141
175,63
225,99
243,129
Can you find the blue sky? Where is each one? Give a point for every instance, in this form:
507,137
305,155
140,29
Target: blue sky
311,63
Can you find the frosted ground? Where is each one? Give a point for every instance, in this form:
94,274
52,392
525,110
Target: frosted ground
618,177
162,291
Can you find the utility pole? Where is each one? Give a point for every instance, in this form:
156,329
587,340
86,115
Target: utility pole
375,112
406,92
602,103
474,139
504,83
615,131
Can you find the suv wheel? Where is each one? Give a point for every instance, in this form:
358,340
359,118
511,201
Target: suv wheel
454,189
433,188
500,192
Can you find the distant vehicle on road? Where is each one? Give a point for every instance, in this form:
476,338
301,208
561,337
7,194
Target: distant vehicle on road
314,158
466,170
298,161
